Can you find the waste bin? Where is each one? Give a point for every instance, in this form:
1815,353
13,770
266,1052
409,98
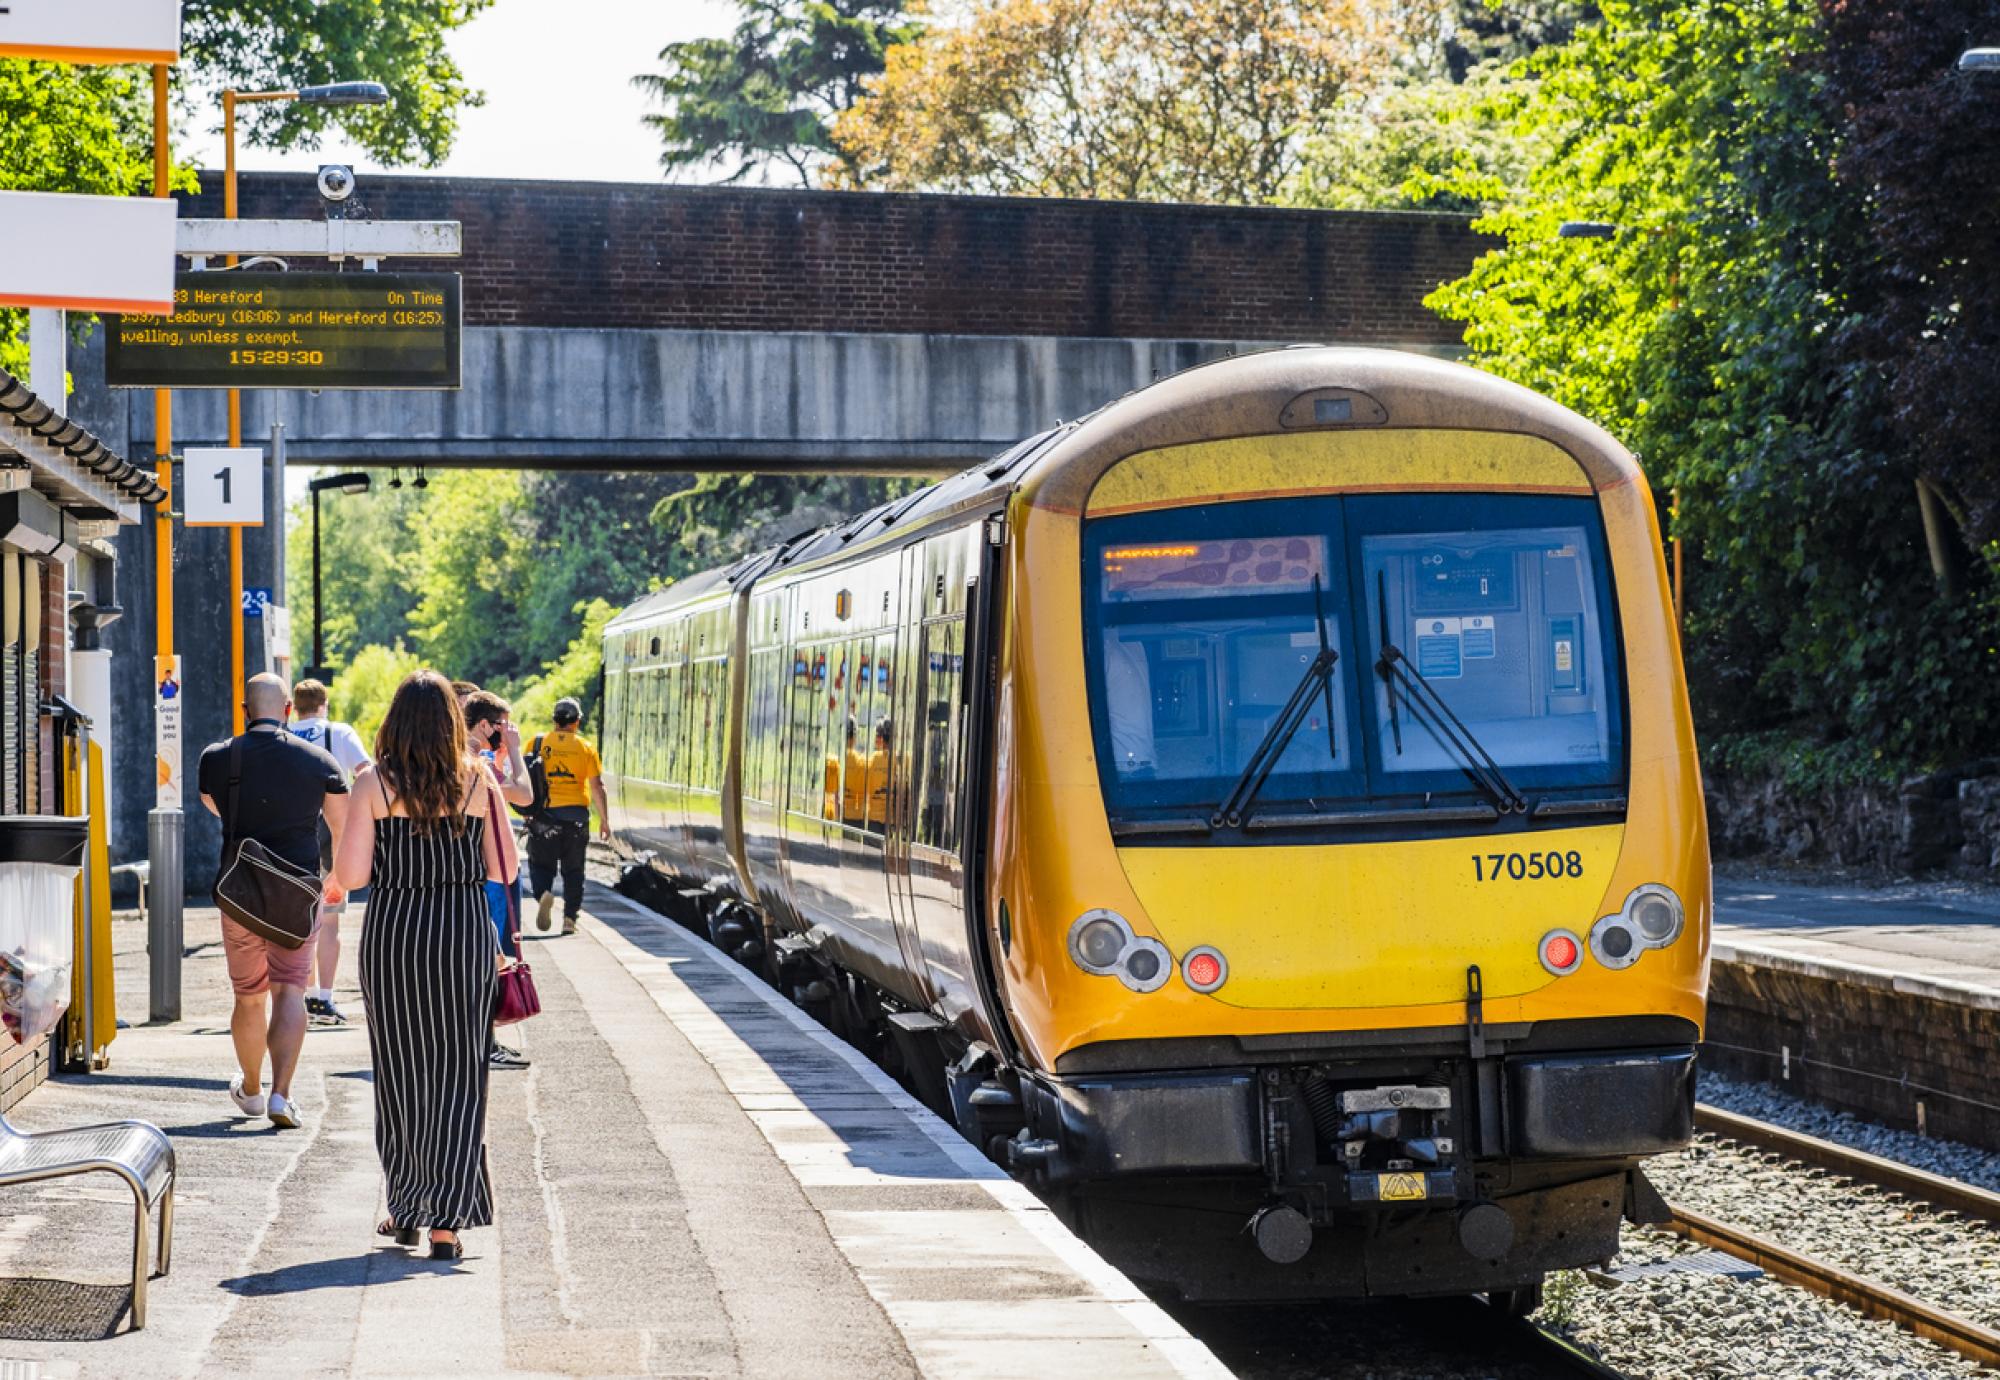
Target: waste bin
40,856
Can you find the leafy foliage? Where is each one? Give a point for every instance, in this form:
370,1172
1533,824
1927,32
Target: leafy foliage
725,516
772,89
1430,144
360,694
1923,152
284,44
1701,335
1190,100
574,673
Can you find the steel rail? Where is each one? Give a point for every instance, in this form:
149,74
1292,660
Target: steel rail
1934,1189
1869,1297
1563,1354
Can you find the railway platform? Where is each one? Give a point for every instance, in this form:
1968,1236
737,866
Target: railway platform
1883,1000
691,1179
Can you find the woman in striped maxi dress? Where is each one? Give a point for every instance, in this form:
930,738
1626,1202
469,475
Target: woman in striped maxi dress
428,959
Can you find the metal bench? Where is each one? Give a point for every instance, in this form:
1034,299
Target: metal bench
142,872
136,1151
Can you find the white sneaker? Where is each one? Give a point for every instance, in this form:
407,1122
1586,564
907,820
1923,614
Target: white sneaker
250,1104
283,1113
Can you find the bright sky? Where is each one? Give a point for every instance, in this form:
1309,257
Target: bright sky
559,101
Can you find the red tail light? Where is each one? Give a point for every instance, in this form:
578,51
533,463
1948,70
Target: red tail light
1204,969
1561,952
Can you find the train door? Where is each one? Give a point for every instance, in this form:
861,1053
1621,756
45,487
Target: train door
937,874
900,806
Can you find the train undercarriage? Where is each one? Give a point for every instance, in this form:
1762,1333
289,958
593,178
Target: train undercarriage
1469,1159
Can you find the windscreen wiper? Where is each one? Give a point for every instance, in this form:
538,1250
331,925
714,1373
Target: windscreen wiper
1425,703
1279,734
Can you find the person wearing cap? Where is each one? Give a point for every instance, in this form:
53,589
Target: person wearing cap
576,784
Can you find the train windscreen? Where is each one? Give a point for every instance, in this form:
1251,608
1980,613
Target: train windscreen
1204,624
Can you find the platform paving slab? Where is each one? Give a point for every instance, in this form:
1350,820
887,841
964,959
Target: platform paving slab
1944,940
692,1179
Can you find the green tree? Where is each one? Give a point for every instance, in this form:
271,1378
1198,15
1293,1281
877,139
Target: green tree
1700,335
1192,100
367,584
725,516
283,44
574,673
1427,144
360,694
771,91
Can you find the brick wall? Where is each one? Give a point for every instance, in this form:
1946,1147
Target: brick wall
23,1068
1857,1043
729,258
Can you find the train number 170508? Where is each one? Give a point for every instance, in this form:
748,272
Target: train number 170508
1526,867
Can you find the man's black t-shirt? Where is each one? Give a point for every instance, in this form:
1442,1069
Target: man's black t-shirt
285,781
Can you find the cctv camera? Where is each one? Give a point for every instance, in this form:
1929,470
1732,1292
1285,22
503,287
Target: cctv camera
336,181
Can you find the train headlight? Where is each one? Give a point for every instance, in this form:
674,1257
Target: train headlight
1103,945
1614,943
1656,914
1097,941
1146,965
1651,918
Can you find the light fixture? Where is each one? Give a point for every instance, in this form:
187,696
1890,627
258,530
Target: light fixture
345,93
1561,952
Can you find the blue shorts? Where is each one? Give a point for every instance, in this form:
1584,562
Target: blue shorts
498,905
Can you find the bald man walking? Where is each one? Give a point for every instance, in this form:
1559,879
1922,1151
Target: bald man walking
285,785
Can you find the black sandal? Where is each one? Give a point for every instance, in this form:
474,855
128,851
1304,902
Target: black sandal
405,1236
453,1249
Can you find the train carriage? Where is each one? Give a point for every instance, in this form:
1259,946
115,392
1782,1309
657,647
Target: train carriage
1265,814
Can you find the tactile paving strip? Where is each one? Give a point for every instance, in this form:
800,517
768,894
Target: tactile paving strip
57,1310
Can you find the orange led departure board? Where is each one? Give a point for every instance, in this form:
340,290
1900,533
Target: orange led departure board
249,329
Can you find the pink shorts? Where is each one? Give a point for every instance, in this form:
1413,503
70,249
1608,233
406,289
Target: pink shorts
255,963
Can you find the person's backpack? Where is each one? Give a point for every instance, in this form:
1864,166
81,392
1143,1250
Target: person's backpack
538,781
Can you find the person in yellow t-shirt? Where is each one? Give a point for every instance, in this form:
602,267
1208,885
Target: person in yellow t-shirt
854,789
576,785
878,779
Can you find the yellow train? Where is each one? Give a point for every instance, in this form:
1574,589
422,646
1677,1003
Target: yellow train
1264,814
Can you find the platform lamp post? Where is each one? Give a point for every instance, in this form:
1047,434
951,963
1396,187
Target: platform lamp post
1605,230
340,93
353,482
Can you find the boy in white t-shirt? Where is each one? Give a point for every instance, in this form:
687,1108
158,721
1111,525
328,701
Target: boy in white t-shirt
312,724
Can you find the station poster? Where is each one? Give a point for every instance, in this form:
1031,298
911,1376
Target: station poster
167,732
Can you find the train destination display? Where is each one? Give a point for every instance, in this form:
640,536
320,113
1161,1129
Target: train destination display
293,330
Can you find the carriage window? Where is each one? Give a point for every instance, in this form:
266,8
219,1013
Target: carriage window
941,749
1209,624
1507,625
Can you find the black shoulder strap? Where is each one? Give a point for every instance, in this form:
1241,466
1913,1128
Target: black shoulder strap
536,746
235,781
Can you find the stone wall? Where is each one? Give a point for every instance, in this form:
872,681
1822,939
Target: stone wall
641,255
1946,821
1892,1049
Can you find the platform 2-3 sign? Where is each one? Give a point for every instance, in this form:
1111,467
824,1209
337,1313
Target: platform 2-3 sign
293,330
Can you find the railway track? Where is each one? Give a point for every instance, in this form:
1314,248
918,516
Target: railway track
1870,1297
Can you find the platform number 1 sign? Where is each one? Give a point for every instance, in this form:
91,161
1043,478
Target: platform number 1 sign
223,487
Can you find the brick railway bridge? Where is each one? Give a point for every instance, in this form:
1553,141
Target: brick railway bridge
686,328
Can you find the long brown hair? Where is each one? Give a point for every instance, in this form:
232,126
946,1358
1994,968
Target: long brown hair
420,750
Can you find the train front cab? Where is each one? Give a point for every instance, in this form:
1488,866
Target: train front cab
1403,1013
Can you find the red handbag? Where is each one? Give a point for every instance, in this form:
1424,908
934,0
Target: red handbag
514,996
